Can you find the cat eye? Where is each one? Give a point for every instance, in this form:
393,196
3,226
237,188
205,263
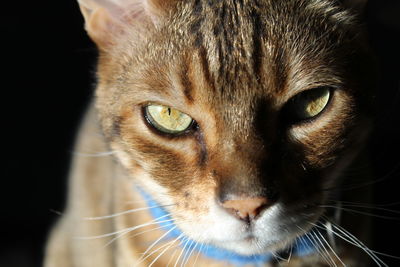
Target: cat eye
167,120
310,103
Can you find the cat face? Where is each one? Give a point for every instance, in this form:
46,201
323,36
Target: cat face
240,116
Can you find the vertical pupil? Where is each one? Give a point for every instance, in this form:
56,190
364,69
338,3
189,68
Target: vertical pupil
169,111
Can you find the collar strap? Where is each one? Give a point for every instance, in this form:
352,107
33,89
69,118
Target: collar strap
302,246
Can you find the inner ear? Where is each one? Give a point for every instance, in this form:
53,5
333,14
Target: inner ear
105,20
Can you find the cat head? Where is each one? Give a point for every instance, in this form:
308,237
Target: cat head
240,115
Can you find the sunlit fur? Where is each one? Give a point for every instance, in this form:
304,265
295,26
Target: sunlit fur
232,66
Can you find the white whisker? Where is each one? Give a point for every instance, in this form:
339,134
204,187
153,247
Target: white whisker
358,243
153,229
313,242
371,208
183,249
275,258
291,251
191,252
173,254
141,259
278,258
324,248
137,234
198,254
123,230
331,236
165,250
361,212
338,235
370,205
318,248
330,247
97,154
351,239
184,259
124,212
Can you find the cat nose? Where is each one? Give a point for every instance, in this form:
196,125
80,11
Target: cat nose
246,209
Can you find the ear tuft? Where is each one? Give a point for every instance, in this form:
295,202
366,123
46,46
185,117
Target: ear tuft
159,8
355,5
107,19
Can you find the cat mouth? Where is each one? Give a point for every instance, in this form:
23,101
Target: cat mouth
250,238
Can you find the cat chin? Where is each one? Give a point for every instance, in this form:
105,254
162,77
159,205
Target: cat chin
250,246
260,242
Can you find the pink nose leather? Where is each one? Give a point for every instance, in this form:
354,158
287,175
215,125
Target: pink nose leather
245,209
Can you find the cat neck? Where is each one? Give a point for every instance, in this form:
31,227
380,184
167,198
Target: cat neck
301,247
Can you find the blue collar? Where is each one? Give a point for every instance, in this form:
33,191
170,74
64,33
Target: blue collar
301,247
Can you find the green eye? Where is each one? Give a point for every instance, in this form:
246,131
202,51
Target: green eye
167,119
310,103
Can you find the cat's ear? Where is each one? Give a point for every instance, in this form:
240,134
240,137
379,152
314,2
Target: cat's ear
106,19
355,5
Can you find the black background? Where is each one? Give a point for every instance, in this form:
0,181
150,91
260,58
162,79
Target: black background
47,79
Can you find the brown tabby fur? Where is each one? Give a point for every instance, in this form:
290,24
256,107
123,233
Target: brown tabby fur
233,66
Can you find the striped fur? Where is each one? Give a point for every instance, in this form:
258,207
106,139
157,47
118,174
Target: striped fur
233,66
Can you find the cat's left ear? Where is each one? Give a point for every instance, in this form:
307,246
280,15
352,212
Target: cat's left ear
105,20
355,5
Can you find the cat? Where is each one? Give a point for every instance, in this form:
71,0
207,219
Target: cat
221,134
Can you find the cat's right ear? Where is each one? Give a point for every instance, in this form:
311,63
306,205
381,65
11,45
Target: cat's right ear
105,20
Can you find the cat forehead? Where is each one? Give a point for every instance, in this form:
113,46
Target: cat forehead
263,47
